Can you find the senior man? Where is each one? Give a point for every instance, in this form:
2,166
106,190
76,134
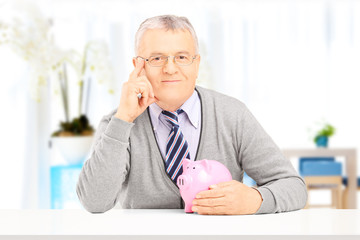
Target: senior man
164,117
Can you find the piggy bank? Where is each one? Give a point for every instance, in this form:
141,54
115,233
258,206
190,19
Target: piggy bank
197,176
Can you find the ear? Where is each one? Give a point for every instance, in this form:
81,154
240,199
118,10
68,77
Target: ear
186,162
134,62
206,164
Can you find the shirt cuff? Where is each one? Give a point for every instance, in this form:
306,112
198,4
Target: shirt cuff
119,129
268,203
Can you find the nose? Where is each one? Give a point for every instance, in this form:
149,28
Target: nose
170,66
182,182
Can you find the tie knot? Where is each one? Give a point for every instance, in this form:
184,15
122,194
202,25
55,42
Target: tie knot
172,117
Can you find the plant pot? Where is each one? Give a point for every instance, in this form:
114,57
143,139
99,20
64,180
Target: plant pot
322,141
74,149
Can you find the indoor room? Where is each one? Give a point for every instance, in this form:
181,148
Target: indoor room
108,106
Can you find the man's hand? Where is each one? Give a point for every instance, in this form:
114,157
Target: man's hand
131,106
227,198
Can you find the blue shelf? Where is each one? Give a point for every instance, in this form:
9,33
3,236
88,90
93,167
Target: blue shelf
319,166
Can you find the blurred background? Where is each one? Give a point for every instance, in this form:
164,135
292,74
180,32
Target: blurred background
295,64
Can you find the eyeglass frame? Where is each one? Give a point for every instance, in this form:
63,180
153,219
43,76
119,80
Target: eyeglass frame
167,60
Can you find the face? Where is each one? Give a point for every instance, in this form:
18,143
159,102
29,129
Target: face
172,84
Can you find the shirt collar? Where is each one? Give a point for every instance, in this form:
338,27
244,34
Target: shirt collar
155,112
188,107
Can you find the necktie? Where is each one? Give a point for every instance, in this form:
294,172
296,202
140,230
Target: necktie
176,147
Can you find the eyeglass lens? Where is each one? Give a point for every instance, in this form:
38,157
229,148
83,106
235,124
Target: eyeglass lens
180,60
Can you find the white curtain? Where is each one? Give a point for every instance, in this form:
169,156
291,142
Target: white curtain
292,62
13,128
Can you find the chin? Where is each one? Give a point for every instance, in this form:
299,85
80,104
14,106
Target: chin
174,96
172,100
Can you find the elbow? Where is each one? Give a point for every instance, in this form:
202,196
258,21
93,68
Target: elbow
91,204
297,196
304,194
94,209
300,194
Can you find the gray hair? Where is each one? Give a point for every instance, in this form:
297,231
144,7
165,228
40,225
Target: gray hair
168,22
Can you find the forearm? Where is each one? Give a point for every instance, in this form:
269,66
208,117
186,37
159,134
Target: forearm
104,172
283,195
281,187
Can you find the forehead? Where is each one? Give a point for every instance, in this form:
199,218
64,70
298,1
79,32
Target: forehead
166,42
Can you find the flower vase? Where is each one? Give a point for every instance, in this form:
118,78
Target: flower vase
74,149
322,141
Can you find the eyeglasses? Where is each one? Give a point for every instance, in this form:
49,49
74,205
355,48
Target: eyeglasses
159,61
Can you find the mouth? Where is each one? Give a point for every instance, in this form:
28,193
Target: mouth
170,81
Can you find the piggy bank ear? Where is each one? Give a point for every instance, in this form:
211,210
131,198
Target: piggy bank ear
206,164
186,162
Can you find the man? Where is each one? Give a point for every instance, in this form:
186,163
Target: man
162,118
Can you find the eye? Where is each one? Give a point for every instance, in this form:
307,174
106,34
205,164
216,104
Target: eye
157,58
182,57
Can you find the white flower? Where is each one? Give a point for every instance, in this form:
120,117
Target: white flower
28,32
99,64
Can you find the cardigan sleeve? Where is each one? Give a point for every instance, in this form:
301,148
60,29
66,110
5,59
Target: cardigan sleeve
280,186
104,172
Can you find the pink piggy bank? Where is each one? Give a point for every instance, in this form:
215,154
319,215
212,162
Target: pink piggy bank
197,176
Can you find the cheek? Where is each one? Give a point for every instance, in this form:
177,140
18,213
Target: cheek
191,73
153,76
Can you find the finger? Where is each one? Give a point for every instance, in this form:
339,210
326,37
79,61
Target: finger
142,72
147,82
149,88
144,96
210,202
218,210
138,68
214,193
142,89
147,95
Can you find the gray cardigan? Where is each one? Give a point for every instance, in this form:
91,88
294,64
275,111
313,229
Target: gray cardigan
126,165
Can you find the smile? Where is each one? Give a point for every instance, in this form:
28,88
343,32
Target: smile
171,81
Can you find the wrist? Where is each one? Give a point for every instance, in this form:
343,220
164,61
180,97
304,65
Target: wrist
124,117
257,198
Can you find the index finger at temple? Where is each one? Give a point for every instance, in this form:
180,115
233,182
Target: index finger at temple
142,72
210,194
151,90
138,68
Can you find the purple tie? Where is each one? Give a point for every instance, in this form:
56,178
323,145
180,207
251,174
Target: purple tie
176,148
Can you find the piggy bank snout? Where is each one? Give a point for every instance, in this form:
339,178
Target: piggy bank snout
183,181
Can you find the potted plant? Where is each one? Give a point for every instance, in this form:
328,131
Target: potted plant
321,138
74,137
28,33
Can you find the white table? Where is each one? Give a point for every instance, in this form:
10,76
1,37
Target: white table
175,224
351,166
